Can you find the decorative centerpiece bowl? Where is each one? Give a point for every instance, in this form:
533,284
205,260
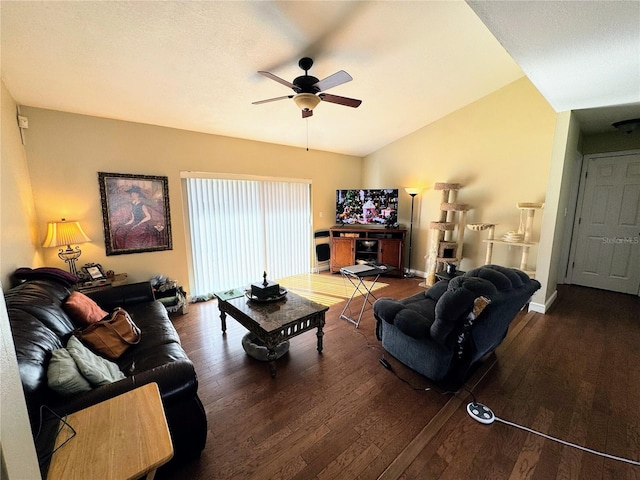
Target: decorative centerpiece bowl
368,244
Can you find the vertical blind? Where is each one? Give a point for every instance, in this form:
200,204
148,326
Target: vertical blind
242,228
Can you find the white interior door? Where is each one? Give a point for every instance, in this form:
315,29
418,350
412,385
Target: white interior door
606,247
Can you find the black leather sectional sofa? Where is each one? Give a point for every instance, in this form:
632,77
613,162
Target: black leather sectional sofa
39,325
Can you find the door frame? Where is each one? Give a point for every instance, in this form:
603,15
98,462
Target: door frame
570,213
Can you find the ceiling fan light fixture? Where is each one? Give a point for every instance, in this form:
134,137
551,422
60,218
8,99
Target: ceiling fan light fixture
306,101
627,126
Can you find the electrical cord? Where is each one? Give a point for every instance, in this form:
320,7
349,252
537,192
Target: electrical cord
479,406
46,456
369,344
466,389
385,363
569,444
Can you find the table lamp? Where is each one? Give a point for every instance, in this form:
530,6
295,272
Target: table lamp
66,233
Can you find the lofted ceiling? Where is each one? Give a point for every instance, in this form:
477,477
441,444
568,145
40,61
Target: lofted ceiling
193,65
581,55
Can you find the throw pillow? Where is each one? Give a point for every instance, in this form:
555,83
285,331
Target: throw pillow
63,376
83,310
98,370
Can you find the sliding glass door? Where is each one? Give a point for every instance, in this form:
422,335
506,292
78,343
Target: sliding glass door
240,228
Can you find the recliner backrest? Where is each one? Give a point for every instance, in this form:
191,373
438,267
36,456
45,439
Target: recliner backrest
507,288
515,288
455,304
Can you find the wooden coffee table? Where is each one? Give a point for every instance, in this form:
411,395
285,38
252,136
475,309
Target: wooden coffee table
275,322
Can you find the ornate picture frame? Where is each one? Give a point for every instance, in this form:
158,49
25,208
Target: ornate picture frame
135,213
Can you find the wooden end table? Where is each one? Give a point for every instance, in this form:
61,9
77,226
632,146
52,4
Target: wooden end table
275,322
95,285
125,437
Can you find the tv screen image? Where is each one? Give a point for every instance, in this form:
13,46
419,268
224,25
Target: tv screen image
367,206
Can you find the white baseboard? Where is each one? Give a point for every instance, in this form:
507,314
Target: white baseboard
321,268
543,307
419,274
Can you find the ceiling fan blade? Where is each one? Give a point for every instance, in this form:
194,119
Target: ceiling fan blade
277,79
334,80
349,102
307,113
271,100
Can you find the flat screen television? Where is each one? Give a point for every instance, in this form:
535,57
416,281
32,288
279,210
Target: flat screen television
374,206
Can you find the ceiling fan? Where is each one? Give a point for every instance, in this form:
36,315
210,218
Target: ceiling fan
310,91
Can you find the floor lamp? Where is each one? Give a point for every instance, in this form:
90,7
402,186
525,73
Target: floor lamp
413,192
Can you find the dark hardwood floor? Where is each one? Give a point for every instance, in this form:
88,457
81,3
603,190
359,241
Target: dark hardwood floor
573,373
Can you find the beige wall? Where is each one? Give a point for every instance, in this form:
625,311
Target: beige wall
19,239
610,142
498,148
554,234
65,151
17,224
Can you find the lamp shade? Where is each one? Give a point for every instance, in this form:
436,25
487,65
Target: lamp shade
64,233
412,191
306,101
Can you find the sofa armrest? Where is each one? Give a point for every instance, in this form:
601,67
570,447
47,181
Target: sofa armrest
413,324
123,295
385,309
176,381
405,318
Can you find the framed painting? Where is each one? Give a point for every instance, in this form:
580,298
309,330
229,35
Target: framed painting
135,213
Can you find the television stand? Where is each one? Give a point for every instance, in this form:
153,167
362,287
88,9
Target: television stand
353,245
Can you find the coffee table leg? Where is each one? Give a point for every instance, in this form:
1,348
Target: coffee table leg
223,320
271,357
320,334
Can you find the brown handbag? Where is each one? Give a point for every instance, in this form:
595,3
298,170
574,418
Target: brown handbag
111,337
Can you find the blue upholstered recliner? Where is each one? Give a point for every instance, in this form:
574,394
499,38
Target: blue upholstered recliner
435,332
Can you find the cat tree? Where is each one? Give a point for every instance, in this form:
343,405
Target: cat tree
447,234
520,238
